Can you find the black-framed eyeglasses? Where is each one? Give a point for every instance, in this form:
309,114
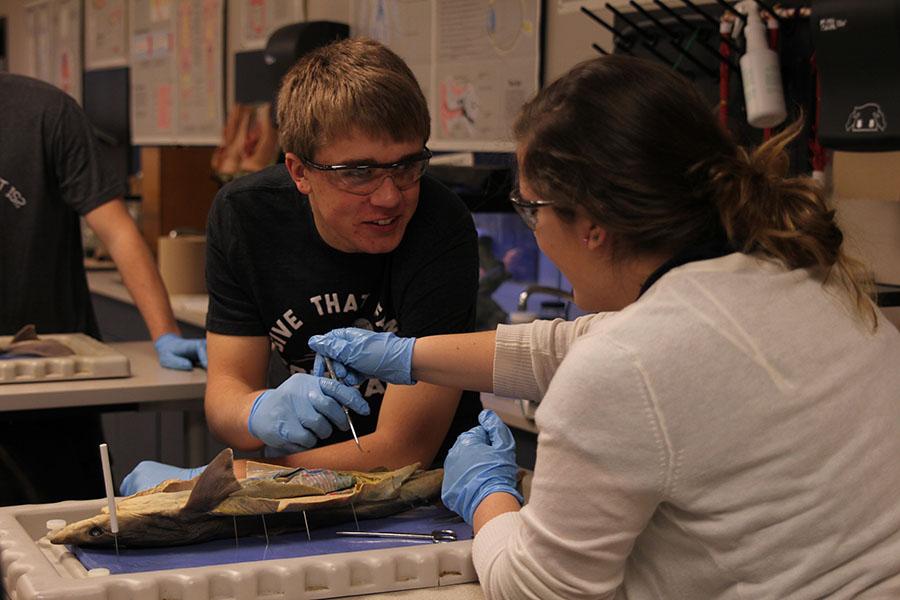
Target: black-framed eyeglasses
362,179
527,209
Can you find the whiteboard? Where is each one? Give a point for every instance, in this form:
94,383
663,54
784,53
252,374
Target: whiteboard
477,62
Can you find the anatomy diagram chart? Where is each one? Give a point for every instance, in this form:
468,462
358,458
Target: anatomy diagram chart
152,71
105,34
199,67
54,43
176,71
477,61
40,52
259,18
403,26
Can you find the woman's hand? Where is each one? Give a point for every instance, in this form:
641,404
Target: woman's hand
359,353
480,463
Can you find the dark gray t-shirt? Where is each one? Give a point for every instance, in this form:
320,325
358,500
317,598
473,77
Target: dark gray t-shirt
49,176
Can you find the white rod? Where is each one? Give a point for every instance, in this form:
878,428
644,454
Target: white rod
110,496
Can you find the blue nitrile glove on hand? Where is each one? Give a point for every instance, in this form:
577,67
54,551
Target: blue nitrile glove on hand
176,352
360,353
481,462
297,414
150,473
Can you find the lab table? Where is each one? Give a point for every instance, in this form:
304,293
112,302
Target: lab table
150,387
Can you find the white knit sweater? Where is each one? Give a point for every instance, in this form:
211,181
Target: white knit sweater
733,434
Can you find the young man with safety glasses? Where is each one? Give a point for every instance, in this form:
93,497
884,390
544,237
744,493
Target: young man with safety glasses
348,232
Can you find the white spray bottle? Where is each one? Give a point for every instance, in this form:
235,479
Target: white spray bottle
760,73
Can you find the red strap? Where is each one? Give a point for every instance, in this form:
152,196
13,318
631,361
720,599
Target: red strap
724,79
818,154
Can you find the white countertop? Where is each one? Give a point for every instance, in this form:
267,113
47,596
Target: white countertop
149,382
188,308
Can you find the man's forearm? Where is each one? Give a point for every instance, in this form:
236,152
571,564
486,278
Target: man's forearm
412,424
227,405
142,279
135,263
379,450
236,375
464,361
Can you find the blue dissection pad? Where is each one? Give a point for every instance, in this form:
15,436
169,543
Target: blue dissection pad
324,541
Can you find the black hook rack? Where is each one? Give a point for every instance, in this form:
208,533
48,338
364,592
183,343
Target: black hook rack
688,25
676,38
619,40
732,10
769,9
712,20
646,35
650,42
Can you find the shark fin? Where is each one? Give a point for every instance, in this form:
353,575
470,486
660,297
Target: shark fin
216,483
26,334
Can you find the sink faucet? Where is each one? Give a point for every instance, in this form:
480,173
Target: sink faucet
541,289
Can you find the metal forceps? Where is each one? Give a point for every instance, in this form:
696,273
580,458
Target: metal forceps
331,374
436,537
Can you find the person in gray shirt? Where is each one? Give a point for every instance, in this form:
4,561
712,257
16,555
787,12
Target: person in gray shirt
50,177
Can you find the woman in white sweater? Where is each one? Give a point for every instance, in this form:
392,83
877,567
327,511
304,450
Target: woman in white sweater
728,424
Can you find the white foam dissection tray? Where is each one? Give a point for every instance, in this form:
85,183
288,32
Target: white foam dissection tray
92,360
31,568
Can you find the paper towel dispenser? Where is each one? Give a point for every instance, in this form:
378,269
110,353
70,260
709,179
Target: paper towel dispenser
857,45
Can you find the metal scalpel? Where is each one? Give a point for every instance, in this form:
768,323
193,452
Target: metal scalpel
331,374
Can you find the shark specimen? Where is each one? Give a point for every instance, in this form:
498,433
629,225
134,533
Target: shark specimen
27,344
215,504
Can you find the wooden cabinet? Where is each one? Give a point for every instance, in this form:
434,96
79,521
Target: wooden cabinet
177,189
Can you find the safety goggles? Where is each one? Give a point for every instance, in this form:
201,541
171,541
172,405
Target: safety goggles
527,209
365,179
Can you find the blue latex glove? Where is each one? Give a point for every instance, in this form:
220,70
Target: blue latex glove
481,462
175,352
359,353
297,414
150,473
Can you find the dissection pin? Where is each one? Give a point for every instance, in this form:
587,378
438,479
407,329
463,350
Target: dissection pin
331,374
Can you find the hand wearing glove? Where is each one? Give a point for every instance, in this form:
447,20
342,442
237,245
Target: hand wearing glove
360,353
150,473
175,352
481,462
294,416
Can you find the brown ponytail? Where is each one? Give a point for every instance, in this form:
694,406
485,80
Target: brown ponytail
786,218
